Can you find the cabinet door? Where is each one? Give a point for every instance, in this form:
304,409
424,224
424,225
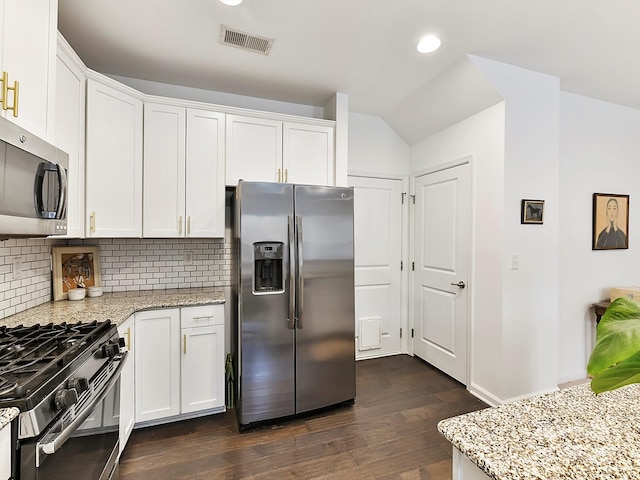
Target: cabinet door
69,137
157,365
127,385
5,453
113,163
164,181
254,150
28,37
205,173
202,368
308,154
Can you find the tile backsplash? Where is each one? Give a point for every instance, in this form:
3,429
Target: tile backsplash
126,264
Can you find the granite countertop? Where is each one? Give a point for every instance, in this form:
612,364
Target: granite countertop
569,434
6,415
117,307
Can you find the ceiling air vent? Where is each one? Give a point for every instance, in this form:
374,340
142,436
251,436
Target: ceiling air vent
246,41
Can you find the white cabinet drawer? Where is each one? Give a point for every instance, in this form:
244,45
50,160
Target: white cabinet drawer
202,316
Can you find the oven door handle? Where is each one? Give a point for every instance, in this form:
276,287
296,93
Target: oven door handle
52,447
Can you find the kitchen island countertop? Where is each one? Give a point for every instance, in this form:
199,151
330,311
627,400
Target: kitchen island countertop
568,434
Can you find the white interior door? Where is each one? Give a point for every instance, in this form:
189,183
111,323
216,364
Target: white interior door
378,252
441,251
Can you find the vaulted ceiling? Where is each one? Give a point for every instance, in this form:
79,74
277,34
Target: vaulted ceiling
364,48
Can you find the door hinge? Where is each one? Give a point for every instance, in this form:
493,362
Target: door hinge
400,333
413,199
413,266
403,195
401,265
412,333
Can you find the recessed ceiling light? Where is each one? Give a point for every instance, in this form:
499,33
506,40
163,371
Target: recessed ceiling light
428,44
233,3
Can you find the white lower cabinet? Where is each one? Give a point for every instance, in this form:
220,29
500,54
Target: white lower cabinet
203,358
5,453
157,365
127,383
179,362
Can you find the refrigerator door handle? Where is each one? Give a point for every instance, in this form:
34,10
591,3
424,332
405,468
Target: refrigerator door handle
300,281
291,321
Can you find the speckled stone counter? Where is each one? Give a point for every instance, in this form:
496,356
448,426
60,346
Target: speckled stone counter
116,307
569,434
6,415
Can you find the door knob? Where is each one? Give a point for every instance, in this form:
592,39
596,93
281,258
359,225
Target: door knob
460,284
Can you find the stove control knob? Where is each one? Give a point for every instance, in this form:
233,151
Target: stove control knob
110,350
65,398
80,385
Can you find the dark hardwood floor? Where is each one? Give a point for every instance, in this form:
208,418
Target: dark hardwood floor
390,433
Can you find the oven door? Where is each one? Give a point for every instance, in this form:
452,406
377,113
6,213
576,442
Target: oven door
87,446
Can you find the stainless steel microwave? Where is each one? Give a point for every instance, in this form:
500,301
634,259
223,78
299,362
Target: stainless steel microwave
33,185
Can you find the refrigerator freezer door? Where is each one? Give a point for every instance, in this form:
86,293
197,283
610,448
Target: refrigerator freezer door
265,341
325,350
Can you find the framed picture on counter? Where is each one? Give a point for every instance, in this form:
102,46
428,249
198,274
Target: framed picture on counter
74,267
610,221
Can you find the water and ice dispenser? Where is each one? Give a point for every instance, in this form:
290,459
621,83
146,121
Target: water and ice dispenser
267,267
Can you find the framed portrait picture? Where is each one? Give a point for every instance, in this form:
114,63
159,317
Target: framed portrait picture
74,267
610,221
532,211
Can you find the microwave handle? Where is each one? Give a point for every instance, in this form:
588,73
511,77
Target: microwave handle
52,447
64,188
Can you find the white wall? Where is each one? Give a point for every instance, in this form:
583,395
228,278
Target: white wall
219,98
600,152
374,148
481,138
531,170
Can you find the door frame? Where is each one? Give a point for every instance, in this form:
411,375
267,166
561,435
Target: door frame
405,344
464,160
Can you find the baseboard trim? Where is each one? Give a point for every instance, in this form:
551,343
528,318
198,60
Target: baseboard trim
494,401
484,395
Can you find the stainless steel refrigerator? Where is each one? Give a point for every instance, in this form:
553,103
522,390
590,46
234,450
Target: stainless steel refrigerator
294,288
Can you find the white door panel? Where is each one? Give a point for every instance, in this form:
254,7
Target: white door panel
441,246
378,252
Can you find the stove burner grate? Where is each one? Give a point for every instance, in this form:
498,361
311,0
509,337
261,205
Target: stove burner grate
29,356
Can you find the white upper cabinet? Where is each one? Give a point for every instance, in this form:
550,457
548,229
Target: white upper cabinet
183,172
69,136
308,154
28,55
205,173
269,150
254,150
113,162
164,160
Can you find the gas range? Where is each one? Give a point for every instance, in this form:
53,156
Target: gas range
65,379
44,369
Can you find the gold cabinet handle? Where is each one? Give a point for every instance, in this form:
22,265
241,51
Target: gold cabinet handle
128,334
279,170
184,343
5,82
92,222
286,175
180,226
188,225
5,94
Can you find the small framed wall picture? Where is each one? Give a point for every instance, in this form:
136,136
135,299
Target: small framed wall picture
610,221
532,211
74,267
